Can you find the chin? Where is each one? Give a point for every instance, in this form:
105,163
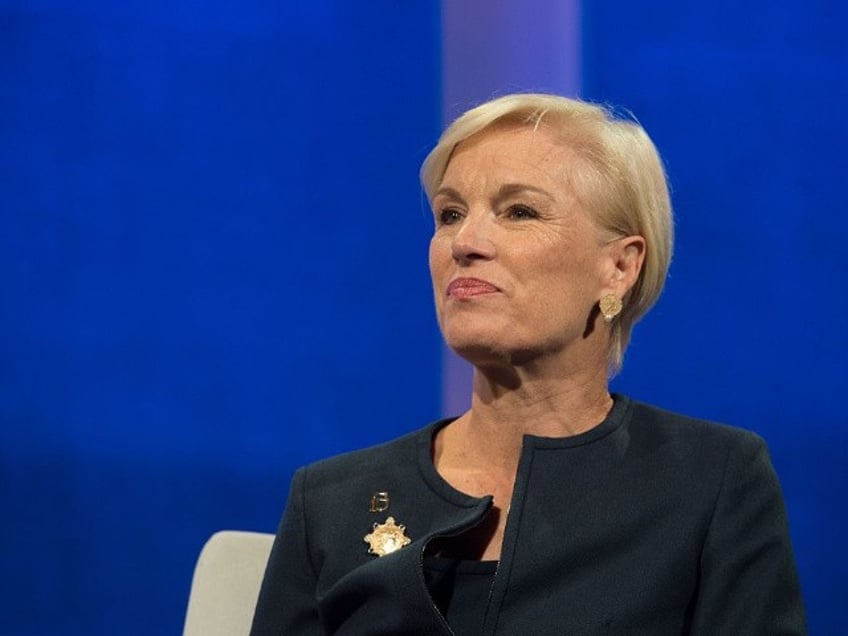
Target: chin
481,358
481,349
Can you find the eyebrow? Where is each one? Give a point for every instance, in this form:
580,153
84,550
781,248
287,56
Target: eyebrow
510,189
448,192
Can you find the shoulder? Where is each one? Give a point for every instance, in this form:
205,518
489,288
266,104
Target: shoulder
724,491
696,451
388,458
654,425
716,472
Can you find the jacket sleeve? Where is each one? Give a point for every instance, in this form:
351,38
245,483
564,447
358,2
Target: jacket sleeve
748,582
287,603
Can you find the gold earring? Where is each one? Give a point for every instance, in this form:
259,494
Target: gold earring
610,306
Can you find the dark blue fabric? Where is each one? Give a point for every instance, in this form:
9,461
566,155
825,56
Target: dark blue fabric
649,523
461,591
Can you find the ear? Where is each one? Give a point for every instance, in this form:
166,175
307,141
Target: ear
626,256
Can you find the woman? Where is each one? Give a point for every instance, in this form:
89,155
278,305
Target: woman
551,506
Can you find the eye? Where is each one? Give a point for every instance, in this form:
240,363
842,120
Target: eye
449,216
521,212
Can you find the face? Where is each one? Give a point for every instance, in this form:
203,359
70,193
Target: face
517,265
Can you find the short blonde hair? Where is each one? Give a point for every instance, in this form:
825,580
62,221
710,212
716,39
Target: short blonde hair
621,183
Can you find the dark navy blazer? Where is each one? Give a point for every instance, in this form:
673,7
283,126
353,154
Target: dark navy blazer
650,523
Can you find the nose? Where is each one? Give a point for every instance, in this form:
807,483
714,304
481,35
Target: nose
473,239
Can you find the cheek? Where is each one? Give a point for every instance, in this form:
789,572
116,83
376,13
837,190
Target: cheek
439,255
436,269
573,278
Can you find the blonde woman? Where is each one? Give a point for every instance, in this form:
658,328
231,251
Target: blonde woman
551,506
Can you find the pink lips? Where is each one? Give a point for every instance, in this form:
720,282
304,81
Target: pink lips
469,287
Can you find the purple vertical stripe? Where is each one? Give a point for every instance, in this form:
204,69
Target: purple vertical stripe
489,49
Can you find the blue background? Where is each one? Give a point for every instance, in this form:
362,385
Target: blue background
213,267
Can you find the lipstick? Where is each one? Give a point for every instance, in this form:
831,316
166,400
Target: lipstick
469,287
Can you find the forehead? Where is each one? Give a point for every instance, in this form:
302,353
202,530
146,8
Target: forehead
511,152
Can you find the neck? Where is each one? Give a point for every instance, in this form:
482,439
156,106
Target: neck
544,406
508,404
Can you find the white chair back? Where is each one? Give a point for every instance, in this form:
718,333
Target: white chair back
226,584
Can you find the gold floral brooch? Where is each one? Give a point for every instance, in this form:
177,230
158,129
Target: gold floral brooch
385,538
